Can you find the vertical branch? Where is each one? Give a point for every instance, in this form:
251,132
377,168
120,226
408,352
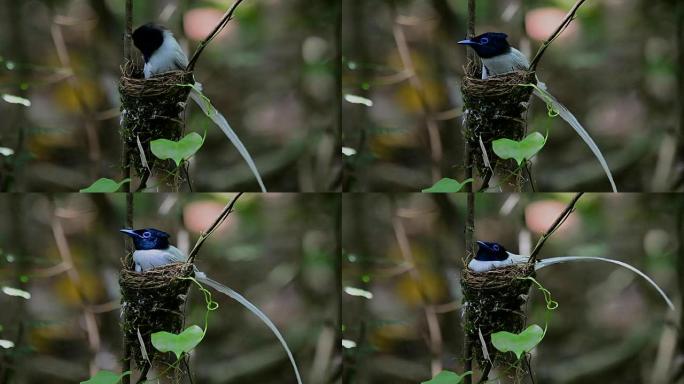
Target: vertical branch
556,224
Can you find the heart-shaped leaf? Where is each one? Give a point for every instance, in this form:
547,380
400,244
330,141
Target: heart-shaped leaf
182,342
180,150
519,150
447,185
524,341
104,186
447,377
106,377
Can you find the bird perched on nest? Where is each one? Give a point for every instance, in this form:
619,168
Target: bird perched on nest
497,56
492,255
160,50
152,249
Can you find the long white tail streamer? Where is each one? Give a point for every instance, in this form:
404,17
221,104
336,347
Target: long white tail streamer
564,259
201,277
564,113
218,119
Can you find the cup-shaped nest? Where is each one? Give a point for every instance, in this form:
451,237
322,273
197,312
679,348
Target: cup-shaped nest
151,108
153,301
494,301
495,109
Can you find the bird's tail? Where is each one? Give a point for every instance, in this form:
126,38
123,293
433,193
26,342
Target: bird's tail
218,119
564,113
565,259
202,277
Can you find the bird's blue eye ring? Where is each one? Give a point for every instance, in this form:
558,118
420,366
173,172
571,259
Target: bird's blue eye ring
484,40
495,248
146,234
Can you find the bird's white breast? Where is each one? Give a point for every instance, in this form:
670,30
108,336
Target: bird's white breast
484,266
147,259
168,57
508,62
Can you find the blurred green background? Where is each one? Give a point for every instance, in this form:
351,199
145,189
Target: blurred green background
615,68
278,250
272,73
610,326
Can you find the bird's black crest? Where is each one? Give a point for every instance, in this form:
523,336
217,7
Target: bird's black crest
148,38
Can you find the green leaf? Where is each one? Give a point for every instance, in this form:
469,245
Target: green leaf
447,185
519,150
183,342
447,377
104,186
525,341
16,100
180,150
106,377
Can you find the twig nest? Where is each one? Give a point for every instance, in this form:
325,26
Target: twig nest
151,108
153,301
495,109
494,301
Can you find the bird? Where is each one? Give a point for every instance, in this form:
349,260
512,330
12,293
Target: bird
497,56
160,50
493,255
152,249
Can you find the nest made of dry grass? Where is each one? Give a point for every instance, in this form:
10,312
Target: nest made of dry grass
151,108
153,301
496,108
495,301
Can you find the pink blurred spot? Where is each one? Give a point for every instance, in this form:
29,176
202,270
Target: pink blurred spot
199,23
541,214
541,22
199,215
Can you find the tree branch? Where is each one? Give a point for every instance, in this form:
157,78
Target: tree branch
217,223
217,29
556,224
564,24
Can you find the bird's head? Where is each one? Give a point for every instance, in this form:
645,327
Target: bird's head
148,238
488,44
148,38
491,252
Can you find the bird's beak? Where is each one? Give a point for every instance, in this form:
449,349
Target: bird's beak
482,244
129,232
467,42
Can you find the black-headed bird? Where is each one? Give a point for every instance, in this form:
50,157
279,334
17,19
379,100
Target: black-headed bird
497,56
160,49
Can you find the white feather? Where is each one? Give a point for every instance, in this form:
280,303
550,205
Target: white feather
151,258
565,259
484,266
512,61
168,57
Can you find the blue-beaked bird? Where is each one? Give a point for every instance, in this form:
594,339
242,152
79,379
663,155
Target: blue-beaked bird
497,56
492,255
160,49
152,249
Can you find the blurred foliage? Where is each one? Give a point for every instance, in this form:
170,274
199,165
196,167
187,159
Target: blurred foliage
631,112
272,73
278,250
608,324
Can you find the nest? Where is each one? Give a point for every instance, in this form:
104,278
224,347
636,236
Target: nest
153,301
151,109
495,302
496,108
